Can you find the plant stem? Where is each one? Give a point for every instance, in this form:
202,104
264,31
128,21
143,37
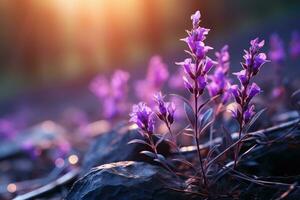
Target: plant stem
243,105
170,131
197,140
237,150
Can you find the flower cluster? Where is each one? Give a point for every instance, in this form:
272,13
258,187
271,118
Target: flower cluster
113,93
157,75
197,67
219,81
276,53
165,111
244,94
143,117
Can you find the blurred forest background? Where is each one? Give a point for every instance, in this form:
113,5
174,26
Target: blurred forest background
50,49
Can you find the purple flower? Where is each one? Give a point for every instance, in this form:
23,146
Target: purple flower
256,45
226,96
165,109
196,37
201,81
248,114
295,44
189,67
143,117
196,18
157,72
259,60
171,110
201,50
161,104
188,85
223,59
100,86
209,63
276,53
112,94
253,59
219,82
119,83
213,89
235,91
253,90
157,75
242,76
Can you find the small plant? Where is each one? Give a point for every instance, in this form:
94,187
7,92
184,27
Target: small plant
243,94
196,79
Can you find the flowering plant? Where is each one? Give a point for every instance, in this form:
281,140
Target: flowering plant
197,80
243,94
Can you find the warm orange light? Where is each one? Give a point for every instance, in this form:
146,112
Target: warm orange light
11,188
73,159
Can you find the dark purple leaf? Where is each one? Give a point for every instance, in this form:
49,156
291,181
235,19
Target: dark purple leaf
189,113
148,153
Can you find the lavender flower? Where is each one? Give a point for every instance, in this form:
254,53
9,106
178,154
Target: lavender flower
249,113
253,62
253,59
253,90
157,75
223,59
99,86
157,71
244,94
242,76
235,91
196,37
295,44
195,78
276,53
196,18
113,93
165,111
143,117
219,82
196,69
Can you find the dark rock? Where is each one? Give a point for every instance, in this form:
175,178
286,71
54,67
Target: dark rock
46,132
128,180
113,147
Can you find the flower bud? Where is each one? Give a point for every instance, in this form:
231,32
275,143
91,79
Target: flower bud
242,76
253,90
